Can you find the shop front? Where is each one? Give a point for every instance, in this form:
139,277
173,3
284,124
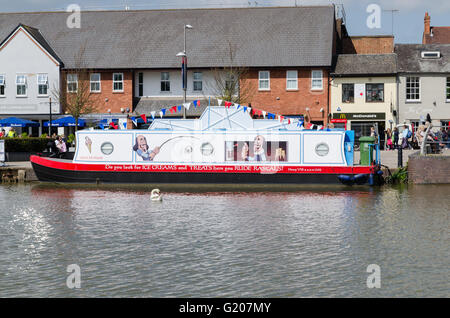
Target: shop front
361,123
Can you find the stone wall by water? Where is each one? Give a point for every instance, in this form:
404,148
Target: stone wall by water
431,169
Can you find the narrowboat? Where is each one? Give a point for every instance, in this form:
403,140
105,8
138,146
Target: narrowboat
223,146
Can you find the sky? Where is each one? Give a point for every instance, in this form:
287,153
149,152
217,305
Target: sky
407,26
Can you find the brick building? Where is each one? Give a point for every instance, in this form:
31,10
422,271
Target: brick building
433,34
376,44
131,55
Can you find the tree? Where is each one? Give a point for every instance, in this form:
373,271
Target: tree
75,95
231,82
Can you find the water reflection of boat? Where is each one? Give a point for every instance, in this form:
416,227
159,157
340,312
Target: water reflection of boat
222,146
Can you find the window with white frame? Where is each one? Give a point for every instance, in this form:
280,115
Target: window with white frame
412,89
72,83
96,83
165,82
198,81
317,80
2,85
264,80
42,81
21,84
291,80
118,82
447,89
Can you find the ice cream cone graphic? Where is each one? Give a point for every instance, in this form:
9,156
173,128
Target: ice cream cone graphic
88,143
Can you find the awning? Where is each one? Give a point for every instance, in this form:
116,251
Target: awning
17,122
66,122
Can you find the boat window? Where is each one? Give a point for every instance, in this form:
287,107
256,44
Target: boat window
107,148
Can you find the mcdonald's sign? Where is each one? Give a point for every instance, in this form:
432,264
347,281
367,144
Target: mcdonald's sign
359,116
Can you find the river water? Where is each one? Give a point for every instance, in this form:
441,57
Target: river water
214,242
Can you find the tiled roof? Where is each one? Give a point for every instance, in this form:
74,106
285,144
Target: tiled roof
365,64
37,36
148,105
409,58
260,37
439,35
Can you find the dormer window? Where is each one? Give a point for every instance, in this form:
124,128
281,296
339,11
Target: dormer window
431,55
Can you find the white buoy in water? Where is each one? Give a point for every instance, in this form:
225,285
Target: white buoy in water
156,195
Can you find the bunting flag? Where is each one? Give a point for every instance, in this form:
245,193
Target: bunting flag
319,127
250,110
101,126
125,125
113,125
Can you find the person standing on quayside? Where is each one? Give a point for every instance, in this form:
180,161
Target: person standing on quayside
12,133
405,132
396,136
373,133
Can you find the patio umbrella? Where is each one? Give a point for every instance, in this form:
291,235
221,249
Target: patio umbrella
17,122
66,122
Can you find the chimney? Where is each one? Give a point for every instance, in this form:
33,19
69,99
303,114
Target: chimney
427,27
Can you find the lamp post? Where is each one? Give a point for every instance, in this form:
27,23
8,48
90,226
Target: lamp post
50,122
184,67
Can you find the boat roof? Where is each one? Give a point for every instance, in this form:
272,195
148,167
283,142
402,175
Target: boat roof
216,118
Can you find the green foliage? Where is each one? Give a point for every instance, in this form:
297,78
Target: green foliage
26,144
70,138
24,135
44,135
398,177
